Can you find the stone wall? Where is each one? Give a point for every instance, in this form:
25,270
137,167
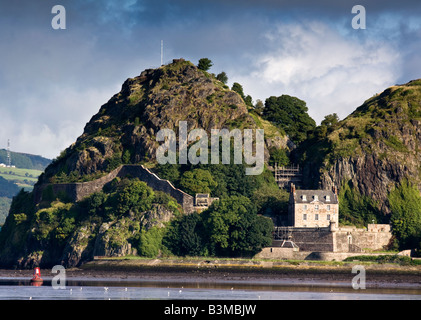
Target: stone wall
354,239
156,183
291,254
78,191
313,239
344,239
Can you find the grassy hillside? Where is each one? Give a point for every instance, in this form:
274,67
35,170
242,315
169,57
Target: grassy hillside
23,178
24,160
25,175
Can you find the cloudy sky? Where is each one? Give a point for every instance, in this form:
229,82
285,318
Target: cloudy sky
53,81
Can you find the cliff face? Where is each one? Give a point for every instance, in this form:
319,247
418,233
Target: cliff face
375,148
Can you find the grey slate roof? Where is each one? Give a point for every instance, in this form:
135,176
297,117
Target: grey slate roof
322,196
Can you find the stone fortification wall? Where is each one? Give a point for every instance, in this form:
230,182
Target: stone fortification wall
290,253
313,239
376,237
344,239
156,183
78,191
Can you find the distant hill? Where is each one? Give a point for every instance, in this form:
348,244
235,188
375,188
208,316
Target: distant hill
25,160
25,175
8,189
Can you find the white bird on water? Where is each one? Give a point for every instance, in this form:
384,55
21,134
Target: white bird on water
106,288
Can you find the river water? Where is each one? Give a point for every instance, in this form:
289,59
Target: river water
12,288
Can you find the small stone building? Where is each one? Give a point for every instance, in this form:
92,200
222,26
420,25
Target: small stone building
312,208
203,201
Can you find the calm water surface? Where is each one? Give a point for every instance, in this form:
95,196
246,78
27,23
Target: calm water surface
111,289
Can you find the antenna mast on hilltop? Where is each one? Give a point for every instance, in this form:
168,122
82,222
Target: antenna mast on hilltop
162,52
9,159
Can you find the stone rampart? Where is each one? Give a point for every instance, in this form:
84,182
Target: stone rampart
313,239
349,239
291,254
343,239
78,191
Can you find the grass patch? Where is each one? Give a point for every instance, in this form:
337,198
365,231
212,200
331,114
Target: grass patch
382,259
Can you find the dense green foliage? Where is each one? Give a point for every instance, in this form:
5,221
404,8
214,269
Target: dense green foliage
230,227
222,180
198,181
357,209
290,114
405,203
279,157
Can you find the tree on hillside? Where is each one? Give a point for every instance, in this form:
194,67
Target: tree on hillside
290,114
136,197
222,76
197,181
330,120
405,204
205,64
239,89
233,228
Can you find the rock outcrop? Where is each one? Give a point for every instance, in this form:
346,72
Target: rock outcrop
375,148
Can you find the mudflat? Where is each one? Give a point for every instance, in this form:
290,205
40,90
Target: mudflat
246,271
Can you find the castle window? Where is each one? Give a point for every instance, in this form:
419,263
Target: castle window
316,198
316,207
304,197
328,217
316,217
328,207
305,207
304,216
327,198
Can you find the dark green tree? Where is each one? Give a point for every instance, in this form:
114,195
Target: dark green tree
136,197
290,114
330,120
239,89
278,156
222,76
234,229
184,237
197,181
205,64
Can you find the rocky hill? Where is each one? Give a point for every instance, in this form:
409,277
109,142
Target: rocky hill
124,130
127,216
371,154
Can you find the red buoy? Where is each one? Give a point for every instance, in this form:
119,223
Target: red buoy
37,276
